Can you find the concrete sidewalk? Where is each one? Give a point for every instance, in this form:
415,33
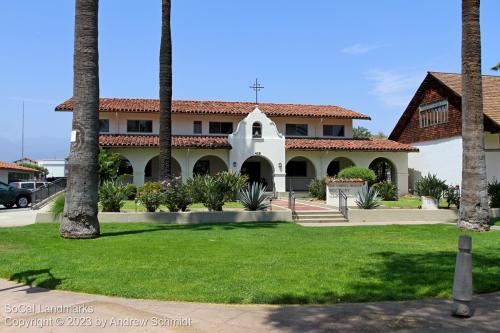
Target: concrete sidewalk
361,224
59,311
16,217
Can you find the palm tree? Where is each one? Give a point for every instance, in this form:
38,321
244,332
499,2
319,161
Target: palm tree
80,210
496,67
165,93
474,200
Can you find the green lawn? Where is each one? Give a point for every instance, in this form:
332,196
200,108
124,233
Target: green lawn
131,206
410,202
249,263
495,221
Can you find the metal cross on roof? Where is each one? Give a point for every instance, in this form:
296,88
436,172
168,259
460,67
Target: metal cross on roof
257,87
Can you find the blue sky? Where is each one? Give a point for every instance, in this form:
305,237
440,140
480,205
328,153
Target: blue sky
368,56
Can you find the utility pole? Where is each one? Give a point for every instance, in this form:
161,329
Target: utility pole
22,135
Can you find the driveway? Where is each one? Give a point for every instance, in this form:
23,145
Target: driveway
16,217
61,311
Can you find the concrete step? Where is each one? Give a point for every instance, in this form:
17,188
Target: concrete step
339,220
319,217
318,212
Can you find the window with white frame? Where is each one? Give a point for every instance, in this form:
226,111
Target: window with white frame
433,113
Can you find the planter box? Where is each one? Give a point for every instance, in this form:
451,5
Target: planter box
429,202
494,212
351,188
185,218
402,215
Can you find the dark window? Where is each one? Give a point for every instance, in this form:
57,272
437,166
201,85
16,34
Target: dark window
220,128
4,187
104,125
333,130
28,186
140,126
257,130
197,127
296,129
296,169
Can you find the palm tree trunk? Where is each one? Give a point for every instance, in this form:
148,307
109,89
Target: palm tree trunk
165,94
80,209
474,200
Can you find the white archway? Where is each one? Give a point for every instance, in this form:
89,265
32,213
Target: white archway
338,164
152,169
209,165
300,171
259,170
384,169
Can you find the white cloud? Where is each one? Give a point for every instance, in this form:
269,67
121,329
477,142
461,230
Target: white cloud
358,49
393,89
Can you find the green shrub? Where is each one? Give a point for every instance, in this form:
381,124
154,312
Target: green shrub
254,197
130,191
430,186
111,196
109,164
367,198
235,182
150,196
317,189
494,193
197,188
355,172
387,191
216,190
177,195
452,196
57,207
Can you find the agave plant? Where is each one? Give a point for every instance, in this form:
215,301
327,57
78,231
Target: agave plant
254,197
368,198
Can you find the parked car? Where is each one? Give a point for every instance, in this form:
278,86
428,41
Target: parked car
31,186
10,196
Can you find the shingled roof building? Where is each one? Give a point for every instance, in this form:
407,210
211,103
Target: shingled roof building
432,122
282,145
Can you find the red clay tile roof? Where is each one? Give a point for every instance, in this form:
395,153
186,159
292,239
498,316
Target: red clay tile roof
15,167
178,141
218,107
453,82
491,91
348,144
119,140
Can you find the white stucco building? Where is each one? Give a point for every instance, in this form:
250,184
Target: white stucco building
56,168
432,122
282,145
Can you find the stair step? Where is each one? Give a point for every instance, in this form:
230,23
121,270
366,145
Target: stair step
319,215
323,217
323,221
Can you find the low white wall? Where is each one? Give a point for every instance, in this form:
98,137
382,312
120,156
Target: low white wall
441,157
185,218
401,215
494,212
351,190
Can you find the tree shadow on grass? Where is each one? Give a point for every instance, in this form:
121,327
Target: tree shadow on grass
195,227
392,276
41,278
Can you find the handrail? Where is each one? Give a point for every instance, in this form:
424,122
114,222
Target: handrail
343,203
291,204
46,191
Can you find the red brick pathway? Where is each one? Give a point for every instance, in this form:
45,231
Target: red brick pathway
299,206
